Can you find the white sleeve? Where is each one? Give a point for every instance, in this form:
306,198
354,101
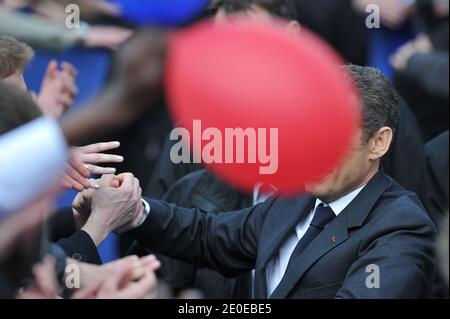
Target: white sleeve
32,157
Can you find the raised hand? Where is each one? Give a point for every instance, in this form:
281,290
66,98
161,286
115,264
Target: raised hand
58,89
81,165
92,154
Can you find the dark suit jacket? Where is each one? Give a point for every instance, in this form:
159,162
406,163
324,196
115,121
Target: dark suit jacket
384,225
206,192
76,244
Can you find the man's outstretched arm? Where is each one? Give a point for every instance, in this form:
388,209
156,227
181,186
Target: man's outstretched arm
226,242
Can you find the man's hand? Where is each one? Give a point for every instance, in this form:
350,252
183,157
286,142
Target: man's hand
115,209
58,89
81,207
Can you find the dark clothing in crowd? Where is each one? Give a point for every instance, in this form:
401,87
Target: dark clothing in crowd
142,143
205,192
384,225
405,159
339,24
167,173
435,190
425,82
431,110
430,71
76,244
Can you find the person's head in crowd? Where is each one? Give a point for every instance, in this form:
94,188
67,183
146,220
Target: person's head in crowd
380,117
14,57
256,10
16,107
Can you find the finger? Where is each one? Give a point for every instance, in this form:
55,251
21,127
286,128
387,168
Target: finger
99,147
52,69
79,166
141,288
115,183
72,183
98,170
122,276
106,180
89,292
75,175
68,86
69,68
65,100
127,180
137,191
99,158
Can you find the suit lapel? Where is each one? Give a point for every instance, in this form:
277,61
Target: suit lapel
329,238
335,234
277,229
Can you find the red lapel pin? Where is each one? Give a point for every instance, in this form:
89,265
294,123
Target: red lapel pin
333,239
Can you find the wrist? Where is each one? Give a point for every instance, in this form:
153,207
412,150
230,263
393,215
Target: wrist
97,233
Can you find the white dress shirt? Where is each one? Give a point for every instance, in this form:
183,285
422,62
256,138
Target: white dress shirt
277,266
32,157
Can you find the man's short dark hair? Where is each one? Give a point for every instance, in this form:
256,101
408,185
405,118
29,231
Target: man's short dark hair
16,107
379,99
279,8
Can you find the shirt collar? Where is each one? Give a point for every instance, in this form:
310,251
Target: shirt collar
340,204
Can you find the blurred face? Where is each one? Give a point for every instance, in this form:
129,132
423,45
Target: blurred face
354,171
17,80
255,14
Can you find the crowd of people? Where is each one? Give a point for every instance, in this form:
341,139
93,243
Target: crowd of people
183,231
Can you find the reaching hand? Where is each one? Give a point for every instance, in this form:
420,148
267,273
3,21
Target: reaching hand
46,285
58,89
107,37
92,154
421,44
123,281
82,165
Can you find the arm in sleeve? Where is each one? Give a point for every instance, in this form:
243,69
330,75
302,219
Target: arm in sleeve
431,71
61,224
80,247
226,242
36,31
397,262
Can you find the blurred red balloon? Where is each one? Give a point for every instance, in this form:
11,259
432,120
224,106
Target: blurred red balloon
257,76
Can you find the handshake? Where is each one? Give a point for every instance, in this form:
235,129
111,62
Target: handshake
116,206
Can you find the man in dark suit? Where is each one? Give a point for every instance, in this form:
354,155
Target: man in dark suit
357,235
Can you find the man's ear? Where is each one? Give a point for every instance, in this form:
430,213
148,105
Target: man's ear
380,142
294,28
